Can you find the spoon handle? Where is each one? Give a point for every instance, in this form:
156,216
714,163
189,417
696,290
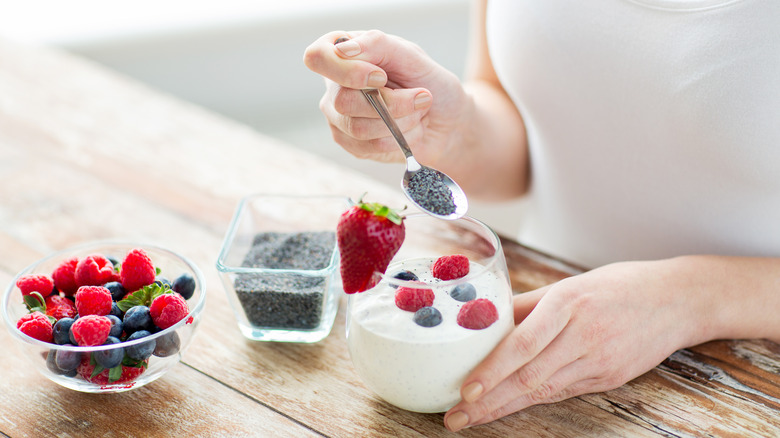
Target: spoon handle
375,99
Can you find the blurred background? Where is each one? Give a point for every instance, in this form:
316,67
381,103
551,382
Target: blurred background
243,58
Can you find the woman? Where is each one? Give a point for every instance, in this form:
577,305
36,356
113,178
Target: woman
646,136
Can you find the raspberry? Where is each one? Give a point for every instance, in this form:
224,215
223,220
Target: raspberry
94,270
129,374
36,325
413,299
64,276
91,330
477,314
137,270
451,267
168,309
93,300
35,283
59,307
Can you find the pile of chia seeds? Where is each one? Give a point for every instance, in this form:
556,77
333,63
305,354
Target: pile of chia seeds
286,300
429,191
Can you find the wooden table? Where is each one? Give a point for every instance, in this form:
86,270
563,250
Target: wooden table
86,154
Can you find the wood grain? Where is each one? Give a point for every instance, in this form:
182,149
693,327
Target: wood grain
86,154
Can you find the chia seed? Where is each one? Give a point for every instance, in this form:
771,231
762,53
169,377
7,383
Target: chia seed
428,190
286,300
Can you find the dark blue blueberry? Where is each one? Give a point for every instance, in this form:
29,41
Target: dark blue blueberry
167,345
184,285
143,350
137,318
405,276
114,261
109,358
116,326
464,292
427,317
61,331
67,360
118,291
116,311
162,281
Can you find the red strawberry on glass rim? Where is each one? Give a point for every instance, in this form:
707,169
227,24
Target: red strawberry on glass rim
368,236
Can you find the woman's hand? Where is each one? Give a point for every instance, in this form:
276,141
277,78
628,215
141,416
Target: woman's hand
588,333
427,101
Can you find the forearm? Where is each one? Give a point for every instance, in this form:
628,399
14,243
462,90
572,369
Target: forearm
732,297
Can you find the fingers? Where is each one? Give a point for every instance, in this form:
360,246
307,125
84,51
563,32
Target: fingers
525,302
339,62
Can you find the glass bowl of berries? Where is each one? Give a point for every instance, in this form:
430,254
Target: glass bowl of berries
105,316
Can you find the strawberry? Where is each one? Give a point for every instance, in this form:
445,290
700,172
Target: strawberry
168,309
94,270
59,307
64,276
450,267
368,236
413,299
477,314
137,270
35,283
98,375
36,325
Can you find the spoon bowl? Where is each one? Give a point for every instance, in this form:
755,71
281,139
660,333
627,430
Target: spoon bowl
429,189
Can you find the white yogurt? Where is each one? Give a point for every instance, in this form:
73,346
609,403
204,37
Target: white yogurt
420,368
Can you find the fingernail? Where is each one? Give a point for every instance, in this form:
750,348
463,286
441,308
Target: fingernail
422,100
472,391
457,421
376,79
348,48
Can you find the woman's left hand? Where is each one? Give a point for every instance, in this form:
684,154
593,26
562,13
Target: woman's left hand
588,333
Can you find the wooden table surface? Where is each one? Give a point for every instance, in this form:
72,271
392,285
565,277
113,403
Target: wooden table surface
86,154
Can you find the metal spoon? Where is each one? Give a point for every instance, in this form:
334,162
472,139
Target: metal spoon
429,189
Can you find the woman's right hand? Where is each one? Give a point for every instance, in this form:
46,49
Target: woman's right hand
427,101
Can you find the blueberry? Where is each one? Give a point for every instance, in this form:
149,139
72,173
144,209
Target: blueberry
162,281
116,326
109,358
427,317
167,345
67,360
405,276
464,292
61,331
137,318
117,290
184,285
143,350
116,311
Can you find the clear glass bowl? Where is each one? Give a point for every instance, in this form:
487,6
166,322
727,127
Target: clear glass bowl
279,265
418,368
171,342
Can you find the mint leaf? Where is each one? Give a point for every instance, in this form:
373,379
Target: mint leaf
115,373
35,302
143,296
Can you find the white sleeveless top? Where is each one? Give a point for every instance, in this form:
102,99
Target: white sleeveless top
654,125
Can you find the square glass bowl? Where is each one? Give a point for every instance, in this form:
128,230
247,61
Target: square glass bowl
279,264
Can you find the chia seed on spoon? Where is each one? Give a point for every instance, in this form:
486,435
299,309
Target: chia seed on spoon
429,191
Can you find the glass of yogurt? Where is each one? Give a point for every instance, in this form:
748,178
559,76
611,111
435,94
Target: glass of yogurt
414,337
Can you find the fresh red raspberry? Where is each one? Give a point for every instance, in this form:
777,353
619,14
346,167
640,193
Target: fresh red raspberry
477,314
413,299
94,270
35,283
36,325
64,276
137,270
168,309
451,267
93,300
59,307
129,374
91,330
